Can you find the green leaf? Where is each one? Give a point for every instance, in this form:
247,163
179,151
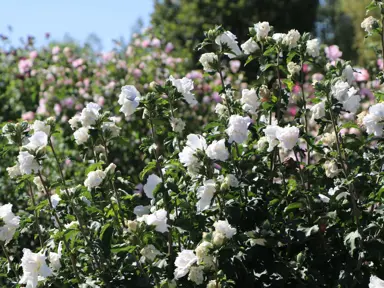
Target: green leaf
371,6
94,166
150,166
106,238
293,206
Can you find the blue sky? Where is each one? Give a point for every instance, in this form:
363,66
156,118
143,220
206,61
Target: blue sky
109,19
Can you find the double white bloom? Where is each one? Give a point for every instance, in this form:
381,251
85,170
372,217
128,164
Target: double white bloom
250,100
346,95
238,129
262,30
129,99
373,121
34,268
152,182
184,86
287,136
209,61
183,262
205,194
313,48
94,179
195,143
229,39
10,223
291,39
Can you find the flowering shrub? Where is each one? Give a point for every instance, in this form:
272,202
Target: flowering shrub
280,183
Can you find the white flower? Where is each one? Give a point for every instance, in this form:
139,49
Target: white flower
132,225
318,110
373,119
369,24
90,115
352,103
209,60
74,122
183,262
41,126
94,179
10,223
27,163
177,125
205,194
55,199
238,128
110,169
158,219
249,100
213,284
223,227
217,150
293,68
34,268
271,132
263,141
184,86
141,210
288,137
331,169
328,138
313,47
152,182
348,74
231,180
188,157
220,109
375,282
228,39
112,128
279,37
262,29
196,275
324,198
291,39
14,171
38,183
250,46
340,90
218,238
129,100
54,258
150,252
81,135
202,253
38,140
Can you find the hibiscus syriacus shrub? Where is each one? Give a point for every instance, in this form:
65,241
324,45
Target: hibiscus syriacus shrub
282,187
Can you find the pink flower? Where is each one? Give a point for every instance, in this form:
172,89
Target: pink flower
333,52
33,54
216,97
42,109
380,63
55,50
77,63
361,75
146,43
27,116
306,68
137,72
68,102
101,101
317,77
235,65
156,42
57,108
292,110
169,47
296,89
108,56
25,65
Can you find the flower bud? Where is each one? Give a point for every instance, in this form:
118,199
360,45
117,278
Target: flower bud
218,238
132,225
